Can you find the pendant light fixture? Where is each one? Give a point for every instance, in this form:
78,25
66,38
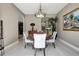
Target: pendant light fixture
40,14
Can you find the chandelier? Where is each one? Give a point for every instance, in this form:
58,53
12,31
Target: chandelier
40,14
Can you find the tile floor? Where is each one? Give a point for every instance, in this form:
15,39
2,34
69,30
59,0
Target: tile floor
19,50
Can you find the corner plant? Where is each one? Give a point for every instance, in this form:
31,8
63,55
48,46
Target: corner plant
53,23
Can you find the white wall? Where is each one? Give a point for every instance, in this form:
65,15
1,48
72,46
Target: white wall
51,15
9,15
32,19
21,18
70,36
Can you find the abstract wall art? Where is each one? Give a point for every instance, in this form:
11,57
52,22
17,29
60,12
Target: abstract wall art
71,20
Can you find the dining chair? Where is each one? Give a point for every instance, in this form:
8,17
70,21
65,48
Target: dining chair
26,40
39,42
52,39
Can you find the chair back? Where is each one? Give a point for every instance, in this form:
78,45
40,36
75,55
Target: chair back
54,36
25,35
39,40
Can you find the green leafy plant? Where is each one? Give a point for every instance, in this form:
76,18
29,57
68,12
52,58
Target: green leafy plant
53,23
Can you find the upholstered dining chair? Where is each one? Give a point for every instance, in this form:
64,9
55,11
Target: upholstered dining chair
39,42
26,40
52,40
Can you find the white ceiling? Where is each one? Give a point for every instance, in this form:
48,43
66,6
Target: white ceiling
48,8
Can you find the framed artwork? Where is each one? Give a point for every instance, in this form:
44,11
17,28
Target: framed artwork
71,20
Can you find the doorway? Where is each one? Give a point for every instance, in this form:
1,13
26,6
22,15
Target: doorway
20,29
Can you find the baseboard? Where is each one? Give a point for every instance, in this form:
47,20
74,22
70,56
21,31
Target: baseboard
8,46
70,45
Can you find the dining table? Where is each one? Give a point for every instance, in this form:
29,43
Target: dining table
31,37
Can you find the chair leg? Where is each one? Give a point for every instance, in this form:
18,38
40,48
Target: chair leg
33,47
35,52
54,45
44,52
2,52
46,45
25,45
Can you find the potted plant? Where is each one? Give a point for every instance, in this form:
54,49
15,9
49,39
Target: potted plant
53,23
